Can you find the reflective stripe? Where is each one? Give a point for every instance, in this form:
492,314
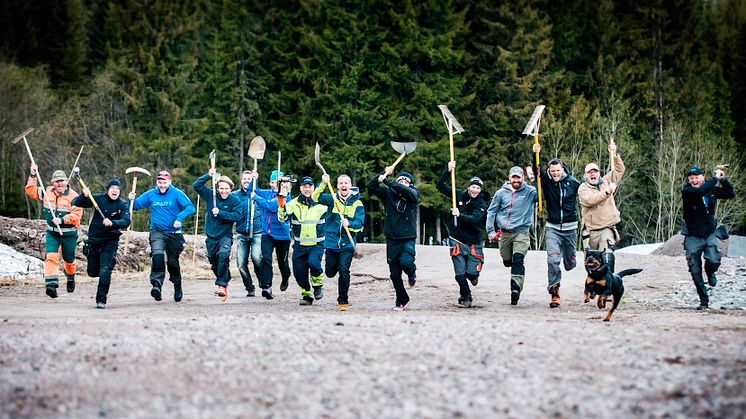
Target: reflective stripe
58,208
309,240
64,229
306,222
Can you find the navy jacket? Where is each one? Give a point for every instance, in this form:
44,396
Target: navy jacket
699,205
115,210
230,210
400,207
472,212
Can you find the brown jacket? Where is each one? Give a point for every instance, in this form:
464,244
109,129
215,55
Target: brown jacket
597,206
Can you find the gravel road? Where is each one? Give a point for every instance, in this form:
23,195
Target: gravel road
249,357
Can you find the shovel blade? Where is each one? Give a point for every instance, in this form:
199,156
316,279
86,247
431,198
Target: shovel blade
317,158
403,148
257,148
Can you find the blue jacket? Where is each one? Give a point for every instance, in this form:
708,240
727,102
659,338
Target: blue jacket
165,208
513,210
243,225
230,210
271,225
335,237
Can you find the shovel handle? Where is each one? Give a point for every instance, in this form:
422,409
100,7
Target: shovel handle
132,208
43,188
538,178
251,219
341,215
401,156
89,196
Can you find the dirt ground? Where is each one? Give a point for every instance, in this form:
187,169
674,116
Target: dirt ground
249,357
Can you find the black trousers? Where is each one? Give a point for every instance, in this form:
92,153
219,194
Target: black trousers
339,261
219,254
400,257
281,248
165,251
102,256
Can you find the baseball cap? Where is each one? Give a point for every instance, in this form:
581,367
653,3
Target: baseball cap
591,166
306,180
58,175
695,171
163,175
515,171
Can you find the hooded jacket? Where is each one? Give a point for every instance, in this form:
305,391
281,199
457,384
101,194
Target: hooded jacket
512,210
335,237
116,210
561,199
230,210
165,208
472,212
597,205
399,205
699,205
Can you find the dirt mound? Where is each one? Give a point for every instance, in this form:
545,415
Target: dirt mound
675,247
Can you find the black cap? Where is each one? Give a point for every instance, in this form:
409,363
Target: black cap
114,182
306,180
695,171
406,175
476,181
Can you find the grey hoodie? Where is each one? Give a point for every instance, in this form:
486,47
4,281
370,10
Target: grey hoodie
512,210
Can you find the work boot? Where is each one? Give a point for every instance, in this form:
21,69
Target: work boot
101,305
70,282
178,292
155,292
474,281
412,279
318,293
250,293
222,293
52,290
514,296
712,279
554,292
306,301
464,302
702,306
267,293
284,284
343,307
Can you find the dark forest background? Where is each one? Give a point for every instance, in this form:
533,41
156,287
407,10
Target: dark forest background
159,84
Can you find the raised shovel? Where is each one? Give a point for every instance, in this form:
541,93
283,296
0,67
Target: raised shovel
256,152
403,149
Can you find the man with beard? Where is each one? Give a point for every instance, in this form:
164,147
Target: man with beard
400,201
169,207
465,232
344,212
512,208
103,234
248,234
597,205
220,215
63,219
560,190
307,225
700,226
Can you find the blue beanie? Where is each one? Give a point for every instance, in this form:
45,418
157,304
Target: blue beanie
273,177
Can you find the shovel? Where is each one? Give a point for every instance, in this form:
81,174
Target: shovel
317,157
256,152
403,149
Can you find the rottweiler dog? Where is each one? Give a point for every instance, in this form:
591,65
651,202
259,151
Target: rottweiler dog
602,280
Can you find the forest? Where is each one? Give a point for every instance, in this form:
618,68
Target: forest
159,84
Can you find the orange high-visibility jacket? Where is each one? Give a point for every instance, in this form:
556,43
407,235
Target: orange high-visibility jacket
61,204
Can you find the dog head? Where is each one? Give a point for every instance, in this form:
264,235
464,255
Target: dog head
597,261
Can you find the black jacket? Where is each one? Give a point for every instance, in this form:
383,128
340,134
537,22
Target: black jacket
400,208
472,213
560,198
115,210
699,205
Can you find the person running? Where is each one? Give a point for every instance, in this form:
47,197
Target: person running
275,236
512,207
700,226
597,205
169,207
400,201
63,220
560,189
220,215
465,232
103,234
344,213
248,235
307,222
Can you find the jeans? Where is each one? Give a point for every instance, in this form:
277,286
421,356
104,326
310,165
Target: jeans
340,261
102,257
281,248
165,250
219,254
249,247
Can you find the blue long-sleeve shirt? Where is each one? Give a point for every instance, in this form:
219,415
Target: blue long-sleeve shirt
271,224
230,210
165,208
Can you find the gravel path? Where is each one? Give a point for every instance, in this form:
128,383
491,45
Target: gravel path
255,358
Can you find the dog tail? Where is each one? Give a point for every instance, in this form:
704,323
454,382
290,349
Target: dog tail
628,272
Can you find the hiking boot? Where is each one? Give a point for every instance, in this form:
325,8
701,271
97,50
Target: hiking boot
412,279
554,292
71,283
284,284
703,306
222,293
399,307
155,292
474,281
267,293
318,293
712,279
178,292
306,301
343,307
514,296
100,305
52,291
464,302
250,293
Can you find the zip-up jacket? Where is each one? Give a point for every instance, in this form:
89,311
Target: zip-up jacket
230,210
165,208
61,204
266,199
597,205
513,210
472,212
560,199
307,220
699,205
243,225
399,205
116,210
335,237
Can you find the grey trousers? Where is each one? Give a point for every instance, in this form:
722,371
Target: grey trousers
560,248
695,247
